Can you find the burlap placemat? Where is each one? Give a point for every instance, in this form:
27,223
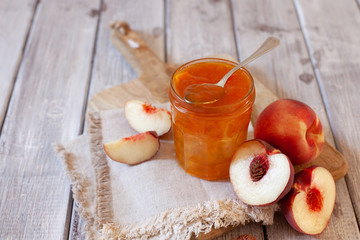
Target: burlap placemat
152,200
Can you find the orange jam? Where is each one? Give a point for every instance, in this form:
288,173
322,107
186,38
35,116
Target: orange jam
207,135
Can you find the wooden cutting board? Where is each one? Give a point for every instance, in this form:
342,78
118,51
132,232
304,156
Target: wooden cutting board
153,83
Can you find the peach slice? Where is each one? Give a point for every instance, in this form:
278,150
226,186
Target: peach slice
145,117
309,204
293,128
260,174
133,150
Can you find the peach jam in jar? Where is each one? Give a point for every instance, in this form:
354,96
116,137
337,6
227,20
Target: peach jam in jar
207,135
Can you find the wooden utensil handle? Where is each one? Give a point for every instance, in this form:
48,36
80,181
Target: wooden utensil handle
134,49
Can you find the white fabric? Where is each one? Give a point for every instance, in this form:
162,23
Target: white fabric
154,199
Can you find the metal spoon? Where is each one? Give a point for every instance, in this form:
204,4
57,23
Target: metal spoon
206,93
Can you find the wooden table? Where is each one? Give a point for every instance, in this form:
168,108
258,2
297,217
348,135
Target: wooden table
54,55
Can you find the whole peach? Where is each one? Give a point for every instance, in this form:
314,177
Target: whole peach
292,127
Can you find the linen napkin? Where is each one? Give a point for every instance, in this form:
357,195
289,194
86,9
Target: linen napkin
152,200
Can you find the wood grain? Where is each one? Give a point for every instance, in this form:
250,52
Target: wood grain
46,106
13,36
332,34
110,66
288,72
154,73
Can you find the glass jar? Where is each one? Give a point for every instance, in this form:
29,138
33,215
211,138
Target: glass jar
207,135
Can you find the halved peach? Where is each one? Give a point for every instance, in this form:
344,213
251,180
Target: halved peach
309,204
260,174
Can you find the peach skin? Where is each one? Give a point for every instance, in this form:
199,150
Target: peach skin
292,127
309,204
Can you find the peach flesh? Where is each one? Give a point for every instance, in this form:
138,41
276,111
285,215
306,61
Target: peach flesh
310,202
255,183
149,108
314,199
293,128
134,149
144,117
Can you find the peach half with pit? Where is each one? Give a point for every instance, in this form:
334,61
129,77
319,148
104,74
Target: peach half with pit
134,149
144,117
292,127
309,204
260,174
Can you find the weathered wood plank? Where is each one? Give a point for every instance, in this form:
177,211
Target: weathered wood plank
198,29
253,229
12,40
110,68
77,225
147,17
288,72
46,106
332,34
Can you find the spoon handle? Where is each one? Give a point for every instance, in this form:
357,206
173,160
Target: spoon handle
270,43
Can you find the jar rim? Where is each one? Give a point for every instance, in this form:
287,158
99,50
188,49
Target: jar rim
211,106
